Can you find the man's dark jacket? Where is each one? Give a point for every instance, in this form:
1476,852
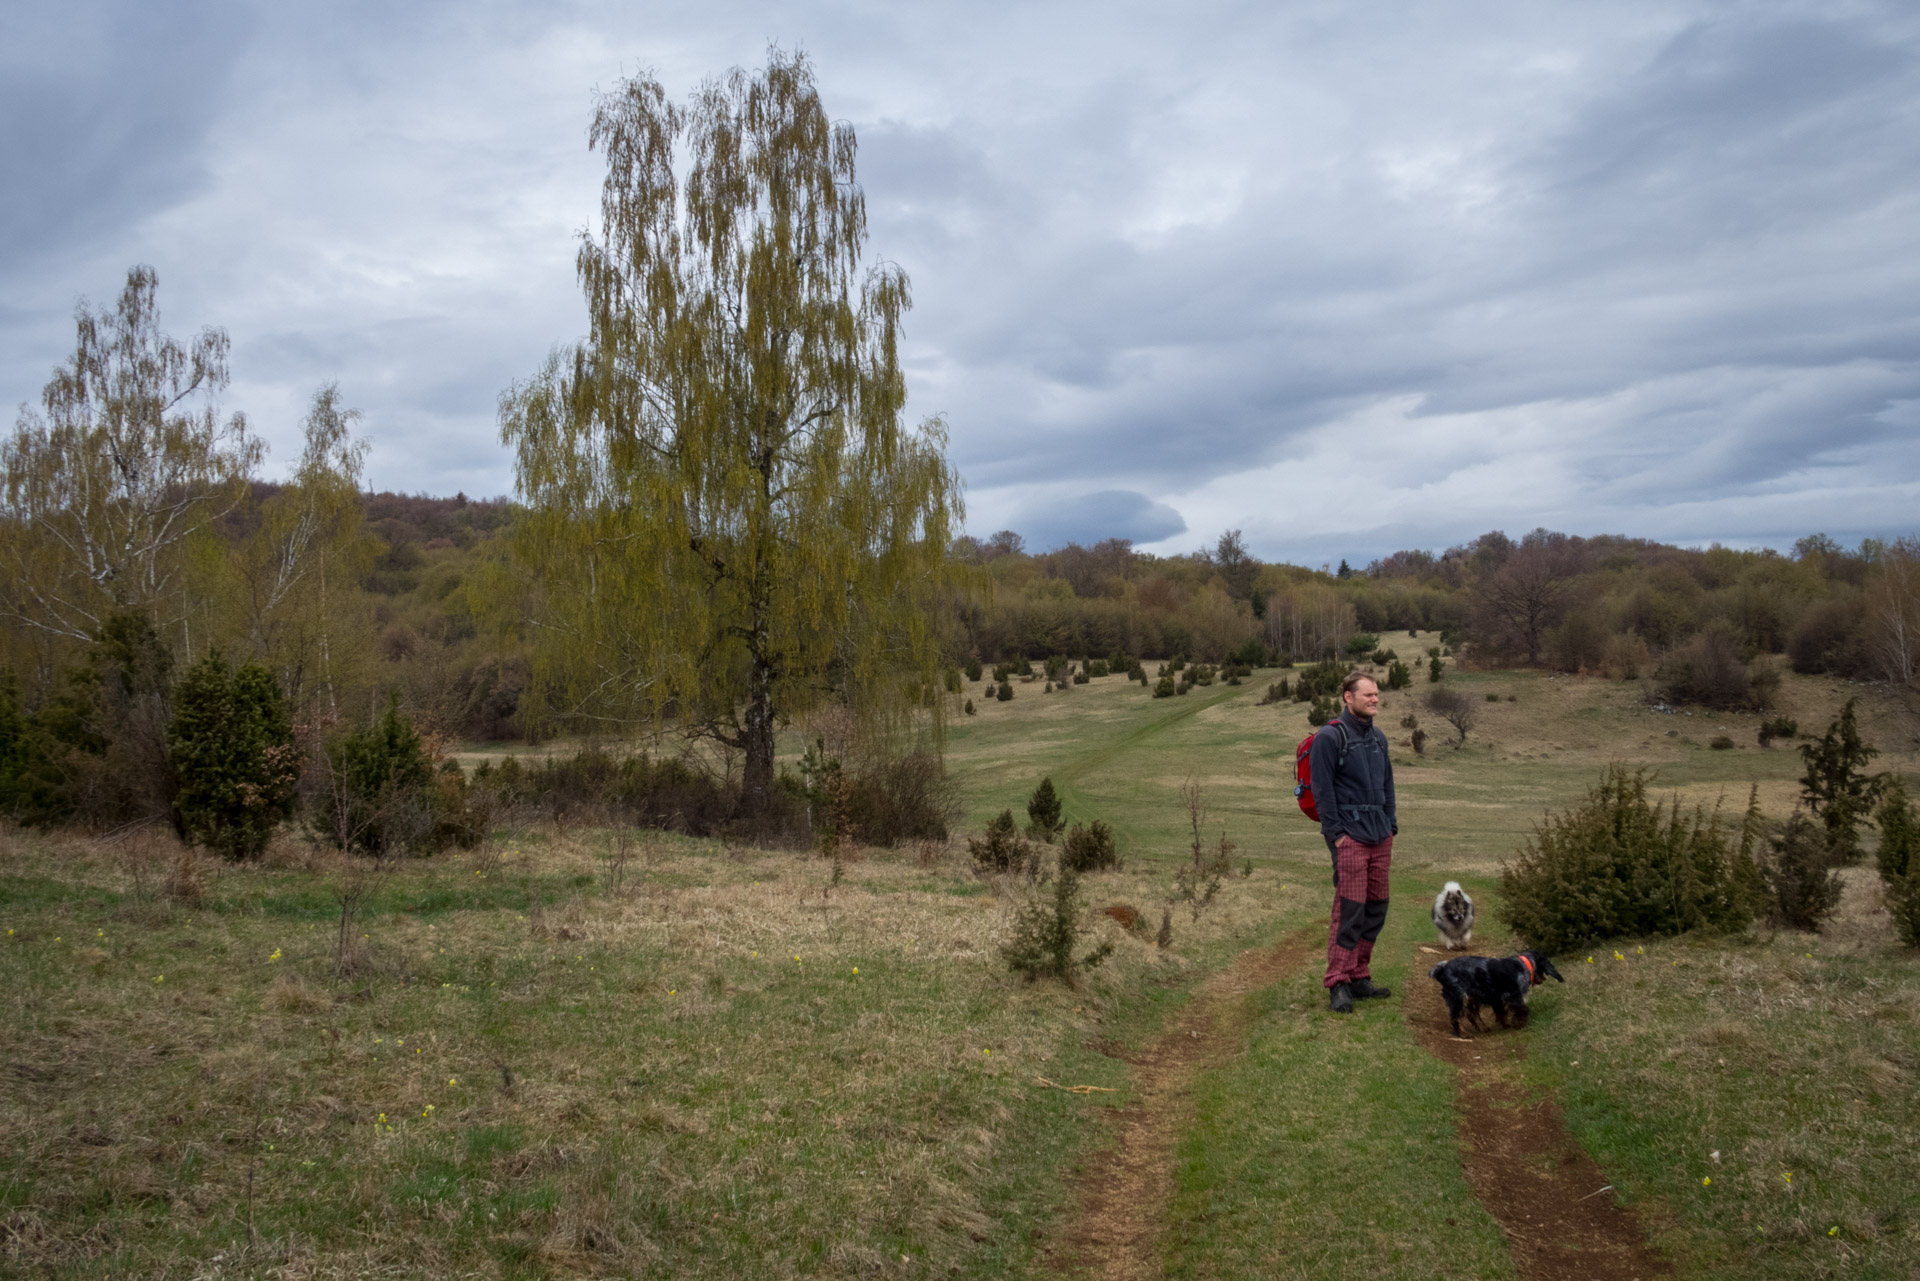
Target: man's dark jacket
1354,795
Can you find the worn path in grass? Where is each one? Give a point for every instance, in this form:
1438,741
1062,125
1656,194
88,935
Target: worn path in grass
1122,1198
1559,1214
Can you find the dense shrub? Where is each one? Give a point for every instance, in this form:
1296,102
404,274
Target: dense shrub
31,790
969,707
1002,849
1829,638
1777,727
1899,853
1899,859
1090,848
973,668
1165,687
1321,680
1720,743
1004,693
1398,677
1047,929
1710,672
1322,711
373,793
233,755
1802,886
95,750
1619,864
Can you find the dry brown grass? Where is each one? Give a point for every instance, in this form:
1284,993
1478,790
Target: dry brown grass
623,1079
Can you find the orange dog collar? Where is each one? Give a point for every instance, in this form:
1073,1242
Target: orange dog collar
1524,960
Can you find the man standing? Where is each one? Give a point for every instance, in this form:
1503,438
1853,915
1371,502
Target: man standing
1353,790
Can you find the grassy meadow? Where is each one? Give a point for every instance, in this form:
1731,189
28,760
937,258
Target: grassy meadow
591,1053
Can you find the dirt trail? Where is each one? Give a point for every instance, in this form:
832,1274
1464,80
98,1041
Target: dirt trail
1122,1199
1541,1187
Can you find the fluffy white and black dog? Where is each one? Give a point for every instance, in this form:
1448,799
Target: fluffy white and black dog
1453,916
1471,982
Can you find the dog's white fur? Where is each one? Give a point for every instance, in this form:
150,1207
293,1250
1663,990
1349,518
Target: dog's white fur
1456,926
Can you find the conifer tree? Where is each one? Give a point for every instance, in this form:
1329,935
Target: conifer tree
1836,785
232,748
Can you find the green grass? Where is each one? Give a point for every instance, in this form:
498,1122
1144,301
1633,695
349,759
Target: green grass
584,1080
1791,1056
1330,1148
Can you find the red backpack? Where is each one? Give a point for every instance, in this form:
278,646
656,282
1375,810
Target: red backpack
1303,768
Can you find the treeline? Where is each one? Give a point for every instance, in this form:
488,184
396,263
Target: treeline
143,558
1626,608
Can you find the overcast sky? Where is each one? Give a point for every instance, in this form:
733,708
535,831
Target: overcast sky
1348,276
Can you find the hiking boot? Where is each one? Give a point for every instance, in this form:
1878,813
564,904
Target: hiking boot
1340,998
1363,989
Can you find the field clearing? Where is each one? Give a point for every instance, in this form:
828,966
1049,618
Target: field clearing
542,1060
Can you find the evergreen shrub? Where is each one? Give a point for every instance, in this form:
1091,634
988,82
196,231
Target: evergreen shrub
1803,887
233,754
1619,864
374,795
1047,931
1090,847
1001,849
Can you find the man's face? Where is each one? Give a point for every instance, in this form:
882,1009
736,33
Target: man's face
1363,699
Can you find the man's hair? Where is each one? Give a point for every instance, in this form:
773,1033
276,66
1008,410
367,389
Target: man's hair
1353,680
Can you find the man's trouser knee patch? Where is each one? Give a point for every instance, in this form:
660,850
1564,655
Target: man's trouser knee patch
1373,917
1353,923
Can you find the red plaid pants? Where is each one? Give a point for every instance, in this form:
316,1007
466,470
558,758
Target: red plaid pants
1359,907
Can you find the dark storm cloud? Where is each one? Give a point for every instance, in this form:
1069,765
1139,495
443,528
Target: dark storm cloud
1089,518
1633,266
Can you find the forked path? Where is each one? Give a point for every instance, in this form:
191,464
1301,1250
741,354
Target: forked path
1123,1196
1549,1198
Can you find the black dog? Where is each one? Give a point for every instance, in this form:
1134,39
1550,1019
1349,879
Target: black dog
1469,982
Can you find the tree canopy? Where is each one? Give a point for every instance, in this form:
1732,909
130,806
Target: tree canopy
727,520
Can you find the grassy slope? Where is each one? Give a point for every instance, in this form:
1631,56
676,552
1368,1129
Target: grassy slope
680,1104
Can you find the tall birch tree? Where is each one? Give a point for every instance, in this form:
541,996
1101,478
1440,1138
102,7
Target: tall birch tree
727,520
132,460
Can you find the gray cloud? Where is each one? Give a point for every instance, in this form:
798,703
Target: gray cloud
1088,518
1636,266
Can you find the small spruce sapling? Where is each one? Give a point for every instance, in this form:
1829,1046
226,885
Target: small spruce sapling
1047,931
1043,811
